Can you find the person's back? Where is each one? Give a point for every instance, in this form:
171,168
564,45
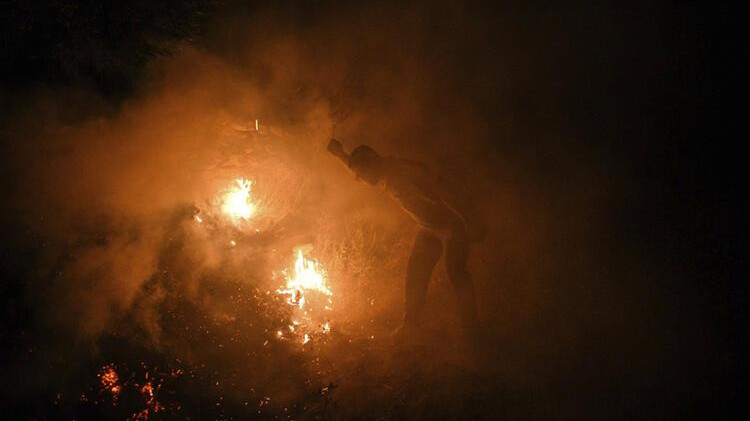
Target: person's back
447,219
417,189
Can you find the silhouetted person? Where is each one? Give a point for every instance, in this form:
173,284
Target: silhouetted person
447,219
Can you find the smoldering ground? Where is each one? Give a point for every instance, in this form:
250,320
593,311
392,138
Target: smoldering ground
536,110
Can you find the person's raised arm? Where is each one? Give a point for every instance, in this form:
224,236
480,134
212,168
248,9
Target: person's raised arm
337,150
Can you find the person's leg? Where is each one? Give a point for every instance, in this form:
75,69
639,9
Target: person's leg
456,252
426,252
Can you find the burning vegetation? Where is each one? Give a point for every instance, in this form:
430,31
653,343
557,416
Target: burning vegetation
307,275
236,203
305,287
257,281
178,244
242,295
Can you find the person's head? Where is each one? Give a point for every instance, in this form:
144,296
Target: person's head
365,163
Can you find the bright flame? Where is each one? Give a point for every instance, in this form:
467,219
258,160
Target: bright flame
306,276
236,202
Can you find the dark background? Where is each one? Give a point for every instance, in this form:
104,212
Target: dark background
619,119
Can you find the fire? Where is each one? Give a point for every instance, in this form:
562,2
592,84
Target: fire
306,276
236,202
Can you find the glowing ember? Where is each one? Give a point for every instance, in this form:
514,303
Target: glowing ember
306,276
110,380
236,202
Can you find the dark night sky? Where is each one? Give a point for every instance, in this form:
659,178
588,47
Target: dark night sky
616,122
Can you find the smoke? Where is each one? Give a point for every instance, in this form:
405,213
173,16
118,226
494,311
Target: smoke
104,183
102,197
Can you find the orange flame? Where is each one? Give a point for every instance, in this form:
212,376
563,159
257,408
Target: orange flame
236,203
306,276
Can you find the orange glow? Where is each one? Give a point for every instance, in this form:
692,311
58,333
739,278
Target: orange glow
147,389
307,275
307,291
110,380
236,203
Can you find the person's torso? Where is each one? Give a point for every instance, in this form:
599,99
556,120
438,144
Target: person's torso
413,186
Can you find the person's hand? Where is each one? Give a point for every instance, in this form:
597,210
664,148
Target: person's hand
335,147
